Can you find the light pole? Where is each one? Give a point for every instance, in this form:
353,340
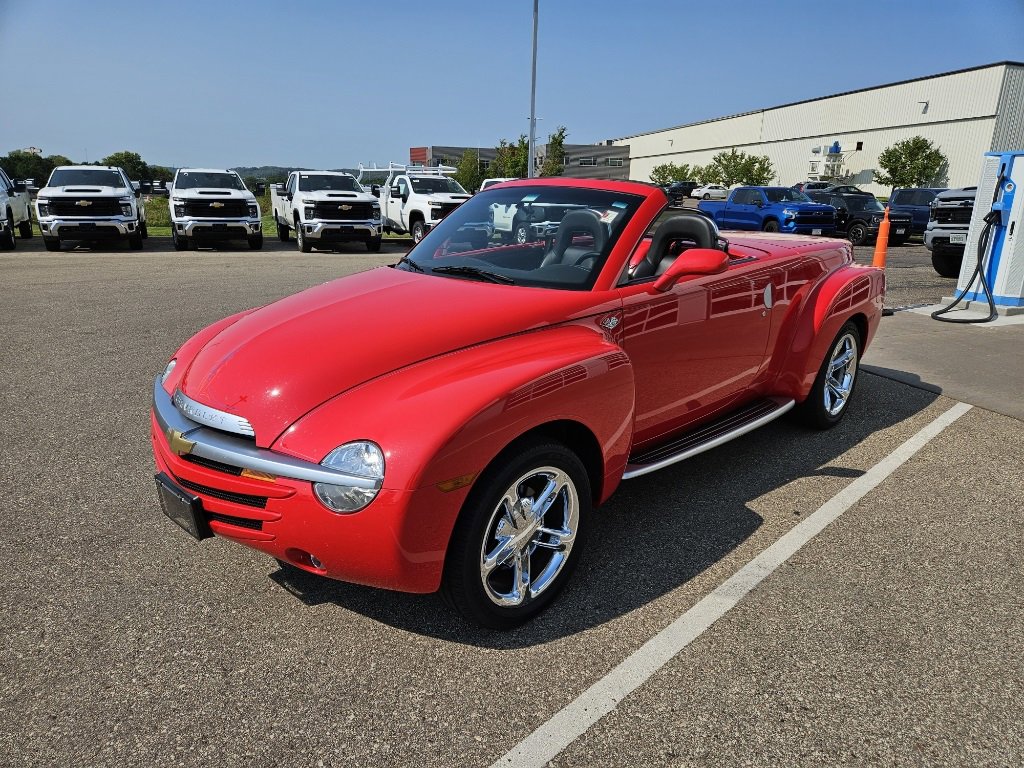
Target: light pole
530,172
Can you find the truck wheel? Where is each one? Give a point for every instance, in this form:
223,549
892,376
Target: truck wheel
827,402
706,196
419,230
947,264
857,233
25,228
7,241
282,230
521,233
519,535
144,230
300,239
135,240
373,244
255,242
770,226
180,241
51,243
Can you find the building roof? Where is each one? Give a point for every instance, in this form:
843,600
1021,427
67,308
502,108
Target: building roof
822,98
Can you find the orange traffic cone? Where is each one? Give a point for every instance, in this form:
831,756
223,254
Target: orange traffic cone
882,241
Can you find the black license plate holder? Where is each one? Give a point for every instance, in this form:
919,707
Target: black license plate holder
182,508
220,226
87,225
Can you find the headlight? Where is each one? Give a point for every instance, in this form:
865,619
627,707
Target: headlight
435,204
168,369
179,209
876,219
361,458
309,213
788,212
43,206
254,210
126,209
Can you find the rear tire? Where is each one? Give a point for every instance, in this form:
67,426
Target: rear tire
282,230
255,242
25,228
770,226
833,388
539,493
373,244
51,243
706,196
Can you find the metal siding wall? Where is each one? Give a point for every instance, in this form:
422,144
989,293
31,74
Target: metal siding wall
601,153
1009,132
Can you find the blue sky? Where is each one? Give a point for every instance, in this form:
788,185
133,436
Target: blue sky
328,84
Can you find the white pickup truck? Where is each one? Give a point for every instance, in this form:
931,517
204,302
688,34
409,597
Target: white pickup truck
14,207
325,208
415,198
212,205
90,203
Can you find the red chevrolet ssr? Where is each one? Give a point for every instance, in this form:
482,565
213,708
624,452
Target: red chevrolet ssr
451,422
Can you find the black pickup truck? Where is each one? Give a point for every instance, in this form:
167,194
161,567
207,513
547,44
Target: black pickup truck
858,216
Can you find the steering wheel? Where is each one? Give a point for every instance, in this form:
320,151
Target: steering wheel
585,256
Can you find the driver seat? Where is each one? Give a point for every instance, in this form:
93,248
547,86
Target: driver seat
663,251
581,222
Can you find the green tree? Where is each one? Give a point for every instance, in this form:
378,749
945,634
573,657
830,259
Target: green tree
20,164
554,160
734,167
160,173
469,174
707,174
666,173
511,160
132,163
914,162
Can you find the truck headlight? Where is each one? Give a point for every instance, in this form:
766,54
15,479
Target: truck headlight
179,209
435,204
361,458
254,210
126,209
309,213
42,207
375,211
789,212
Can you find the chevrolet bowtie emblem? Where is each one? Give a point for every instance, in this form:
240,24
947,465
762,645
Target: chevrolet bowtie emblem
216,205
84,203
178,442
344,207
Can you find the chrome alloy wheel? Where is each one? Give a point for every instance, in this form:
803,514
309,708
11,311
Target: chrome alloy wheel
529,536
842,370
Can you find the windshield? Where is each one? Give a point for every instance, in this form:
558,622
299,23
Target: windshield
196,179
537,236
69,177
426,185
317,183
785,195
862,203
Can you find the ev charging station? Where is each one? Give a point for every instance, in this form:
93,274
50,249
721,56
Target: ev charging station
993,265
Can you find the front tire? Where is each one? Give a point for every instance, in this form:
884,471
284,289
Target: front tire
947,264
7,241
830,395
706,196
51,243
419,230
770,226
519,535
255,242
857,233
301,242
373,244
144,230
135,240
521,232
180,241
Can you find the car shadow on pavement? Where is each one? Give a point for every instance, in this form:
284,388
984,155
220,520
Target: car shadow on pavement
657,532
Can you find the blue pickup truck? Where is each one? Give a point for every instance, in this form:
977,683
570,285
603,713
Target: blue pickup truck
772,209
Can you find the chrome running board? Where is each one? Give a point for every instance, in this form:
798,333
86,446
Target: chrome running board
707,436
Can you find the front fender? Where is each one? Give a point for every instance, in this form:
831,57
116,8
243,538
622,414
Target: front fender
450,416
850,291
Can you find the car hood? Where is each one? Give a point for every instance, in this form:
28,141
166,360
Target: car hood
440,197
85,189
327,196
281,361
200,193
799,206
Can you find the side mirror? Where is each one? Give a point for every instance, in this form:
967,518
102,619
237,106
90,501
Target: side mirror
375,190
138,193
19,186
289,196
261,189
394,192
695,261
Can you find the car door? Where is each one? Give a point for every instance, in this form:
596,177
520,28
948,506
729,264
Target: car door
400,201
744,211
697,348
842,212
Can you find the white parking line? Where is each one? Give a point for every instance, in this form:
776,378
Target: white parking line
602,697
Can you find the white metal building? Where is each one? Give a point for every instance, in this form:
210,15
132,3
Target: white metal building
965,113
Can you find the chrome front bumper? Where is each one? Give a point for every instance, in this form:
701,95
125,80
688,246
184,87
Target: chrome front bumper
52,226
318,229
185,436
206,226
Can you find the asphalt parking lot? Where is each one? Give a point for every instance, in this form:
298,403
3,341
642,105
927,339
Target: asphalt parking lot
893,637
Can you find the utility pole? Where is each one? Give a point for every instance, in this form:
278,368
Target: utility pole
530,172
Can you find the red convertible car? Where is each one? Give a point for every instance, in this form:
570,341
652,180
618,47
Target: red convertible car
452,421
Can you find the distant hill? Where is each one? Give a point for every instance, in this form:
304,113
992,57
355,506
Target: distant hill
279,172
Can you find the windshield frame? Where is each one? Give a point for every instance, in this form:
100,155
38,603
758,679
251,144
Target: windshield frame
122,182
206,174
472,215
335,177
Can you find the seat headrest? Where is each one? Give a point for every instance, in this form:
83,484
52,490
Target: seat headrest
576,222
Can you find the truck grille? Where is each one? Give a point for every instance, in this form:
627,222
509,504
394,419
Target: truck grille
445,209
952,214
76,206
343,211
245,499
217,209
815,218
